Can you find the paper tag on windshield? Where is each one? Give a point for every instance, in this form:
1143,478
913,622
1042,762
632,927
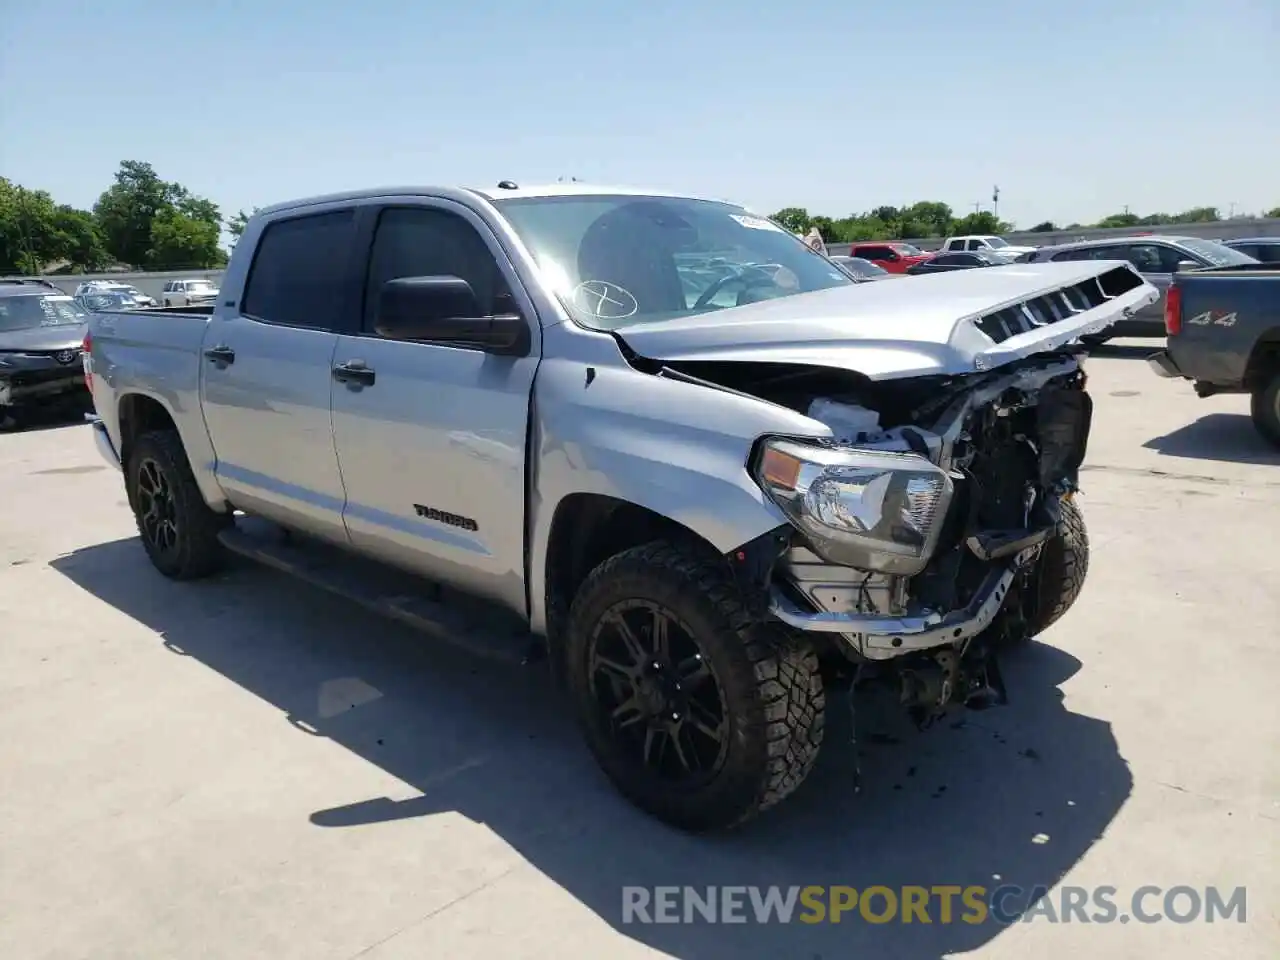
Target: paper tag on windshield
755,223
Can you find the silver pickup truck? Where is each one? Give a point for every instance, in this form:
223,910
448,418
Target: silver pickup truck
660,436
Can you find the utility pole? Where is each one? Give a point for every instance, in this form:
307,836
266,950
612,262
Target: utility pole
995,202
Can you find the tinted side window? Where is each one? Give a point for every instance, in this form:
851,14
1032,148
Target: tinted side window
1070,255
425,242
300,271
948,258
1153,258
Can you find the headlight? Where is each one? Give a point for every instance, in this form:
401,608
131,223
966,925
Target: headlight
860,508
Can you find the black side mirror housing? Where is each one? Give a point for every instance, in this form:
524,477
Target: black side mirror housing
445,310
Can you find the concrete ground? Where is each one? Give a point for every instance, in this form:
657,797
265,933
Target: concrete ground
248,768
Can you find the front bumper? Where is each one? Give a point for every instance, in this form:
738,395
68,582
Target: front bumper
102,440
1162,364
878,637
33,386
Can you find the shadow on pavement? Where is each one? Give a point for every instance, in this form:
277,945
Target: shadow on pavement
1218,436
1014,795
1128,350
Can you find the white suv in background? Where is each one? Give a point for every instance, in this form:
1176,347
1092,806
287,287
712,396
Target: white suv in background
186,293
985,244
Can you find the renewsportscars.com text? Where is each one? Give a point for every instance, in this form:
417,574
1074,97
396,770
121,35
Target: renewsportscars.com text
940,903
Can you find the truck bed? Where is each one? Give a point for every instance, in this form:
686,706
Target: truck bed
1227,315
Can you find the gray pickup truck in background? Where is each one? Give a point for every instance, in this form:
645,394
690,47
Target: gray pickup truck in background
1223,333
699,464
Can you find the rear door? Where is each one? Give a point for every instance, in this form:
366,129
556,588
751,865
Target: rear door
431,437
267,373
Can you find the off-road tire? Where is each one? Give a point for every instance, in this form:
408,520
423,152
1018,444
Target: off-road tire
1265,407
197,552
769,678
1063,564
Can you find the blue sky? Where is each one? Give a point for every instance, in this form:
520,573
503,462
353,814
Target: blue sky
1074,109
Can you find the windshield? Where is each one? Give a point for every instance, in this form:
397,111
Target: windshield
1216,253
616,260
27,313
115,300
862,268
908,249
995,243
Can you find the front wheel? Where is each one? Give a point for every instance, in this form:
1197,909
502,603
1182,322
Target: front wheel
177,528
1059,578
699,714
1265,408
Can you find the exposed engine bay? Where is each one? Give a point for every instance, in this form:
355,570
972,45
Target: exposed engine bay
920,523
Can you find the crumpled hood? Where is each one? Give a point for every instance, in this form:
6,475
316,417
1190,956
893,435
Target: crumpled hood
946,323
62,336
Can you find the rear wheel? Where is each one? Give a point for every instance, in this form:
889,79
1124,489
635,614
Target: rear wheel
177,528
1063,564
1266,410
699,714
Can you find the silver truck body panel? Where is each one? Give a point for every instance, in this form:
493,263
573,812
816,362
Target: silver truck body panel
888,330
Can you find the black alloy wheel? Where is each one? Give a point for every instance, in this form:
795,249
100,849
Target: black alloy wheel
657,692
157,513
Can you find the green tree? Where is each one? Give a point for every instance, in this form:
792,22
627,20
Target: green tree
1119,220
78,240
795,219
1198,215
146,221
35,232
1273,213
981,222
236,224
181,242
1048,226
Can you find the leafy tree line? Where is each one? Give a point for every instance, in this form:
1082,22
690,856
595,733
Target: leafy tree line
140,221
932,219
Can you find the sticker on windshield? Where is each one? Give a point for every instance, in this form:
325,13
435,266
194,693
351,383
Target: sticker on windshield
756,223
604,300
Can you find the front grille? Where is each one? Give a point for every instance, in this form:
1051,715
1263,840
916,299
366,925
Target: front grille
1059,305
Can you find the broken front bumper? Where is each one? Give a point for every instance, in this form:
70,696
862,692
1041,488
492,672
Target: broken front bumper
881,637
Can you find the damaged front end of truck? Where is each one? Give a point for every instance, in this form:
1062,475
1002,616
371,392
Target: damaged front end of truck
931,529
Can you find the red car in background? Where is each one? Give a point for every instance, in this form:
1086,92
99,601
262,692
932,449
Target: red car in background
894,256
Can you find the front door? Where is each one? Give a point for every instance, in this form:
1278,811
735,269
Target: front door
266,378
431,439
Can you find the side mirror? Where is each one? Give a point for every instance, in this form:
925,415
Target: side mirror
1186,265
445,310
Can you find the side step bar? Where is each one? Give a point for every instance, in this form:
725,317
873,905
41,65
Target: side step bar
466,623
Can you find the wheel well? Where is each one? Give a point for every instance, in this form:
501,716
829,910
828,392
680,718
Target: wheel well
140,414
1264,361
590,528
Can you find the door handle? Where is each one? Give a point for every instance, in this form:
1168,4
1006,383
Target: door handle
221,355
354,372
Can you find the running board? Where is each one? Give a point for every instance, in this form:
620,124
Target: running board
480,629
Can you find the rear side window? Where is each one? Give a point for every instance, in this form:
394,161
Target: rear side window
873,253
301,270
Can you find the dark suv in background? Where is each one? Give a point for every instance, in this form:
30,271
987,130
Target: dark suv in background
1262,249
1157,258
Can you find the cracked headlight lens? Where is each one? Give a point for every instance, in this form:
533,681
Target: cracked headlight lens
869,509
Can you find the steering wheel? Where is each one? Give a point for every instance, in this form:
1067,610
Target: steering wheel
749,277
